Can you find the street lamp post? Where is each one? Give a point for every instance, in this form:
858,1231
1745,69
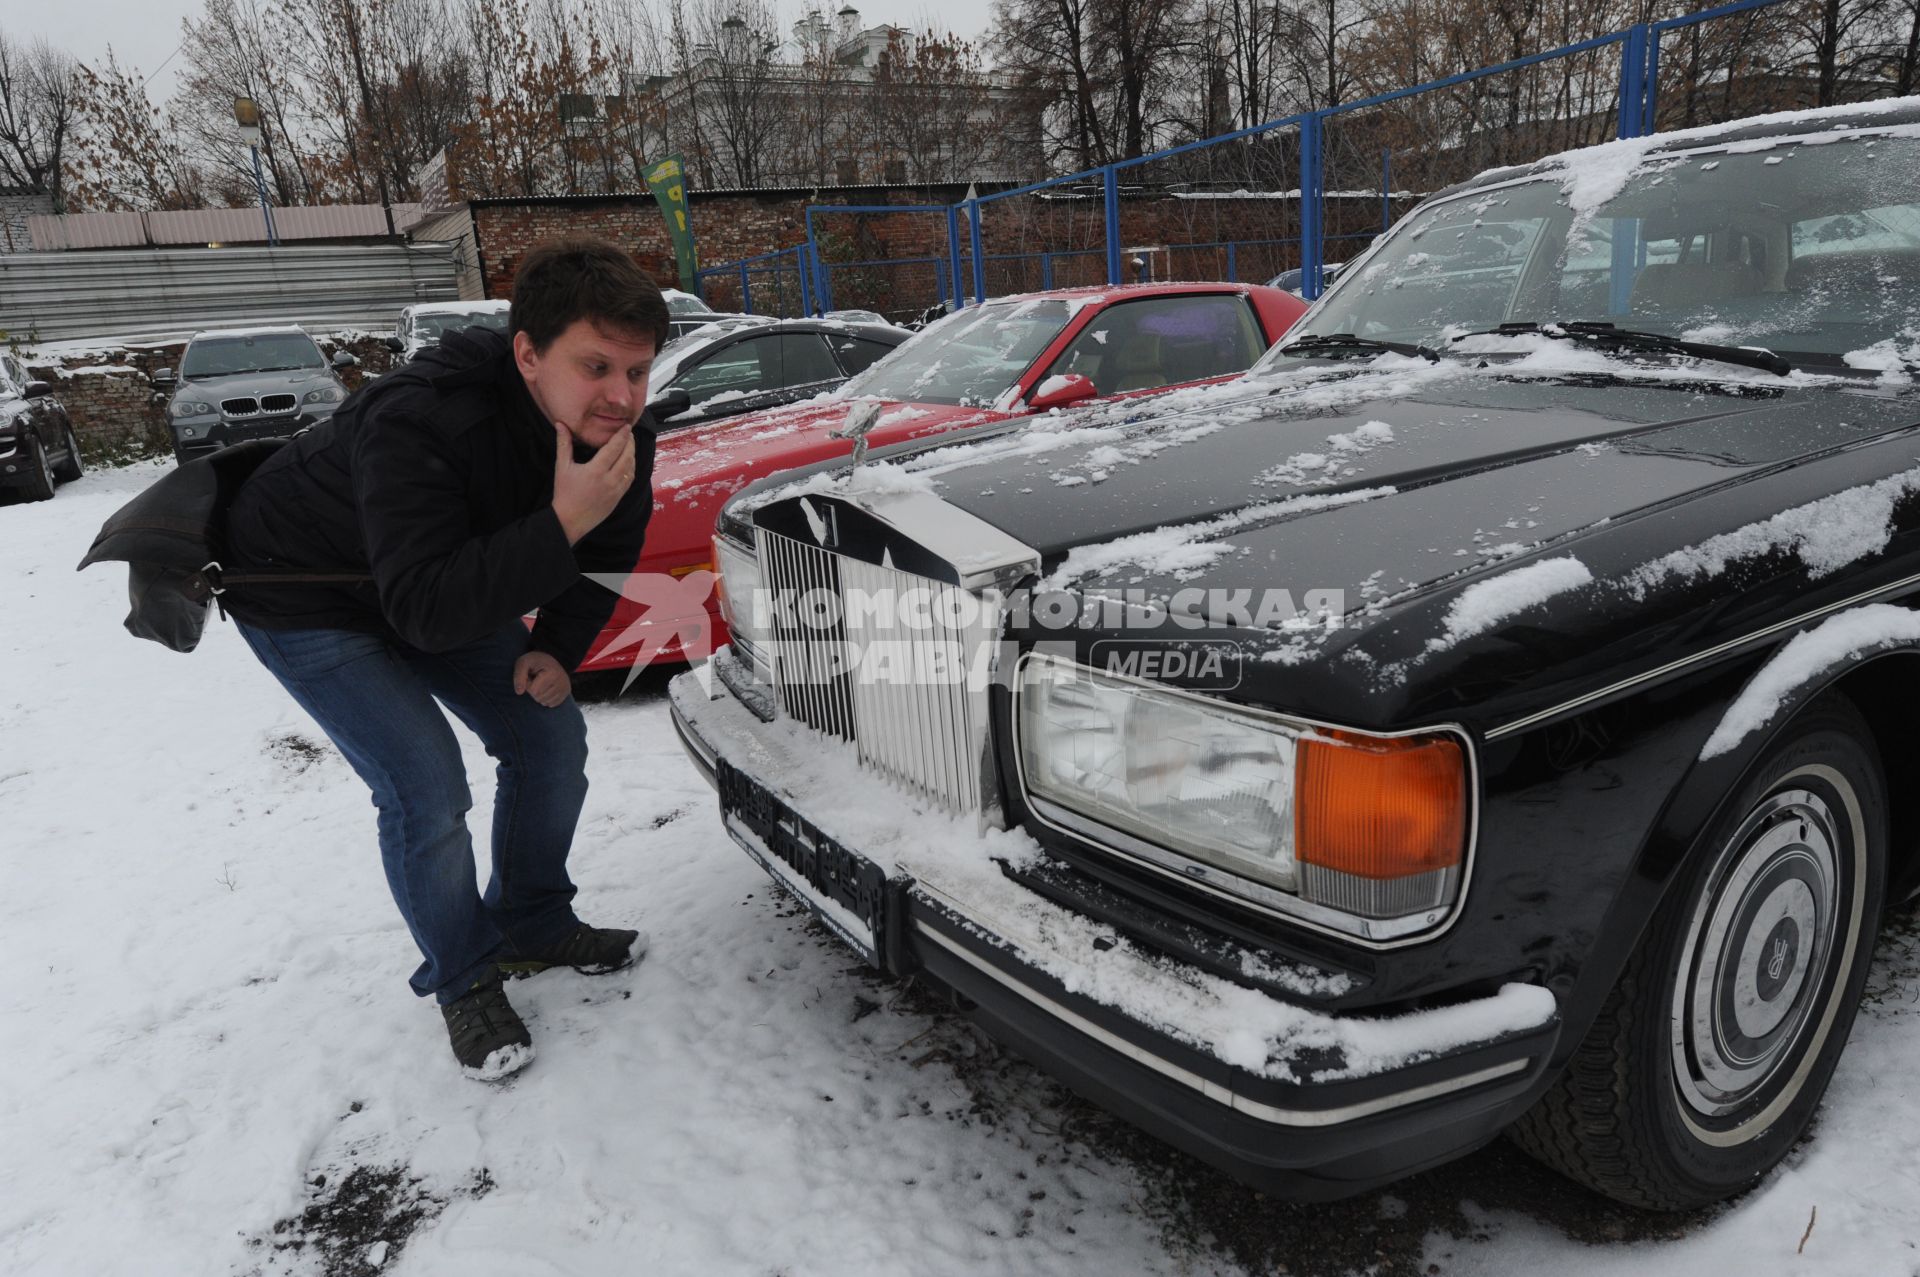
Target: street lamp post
246,113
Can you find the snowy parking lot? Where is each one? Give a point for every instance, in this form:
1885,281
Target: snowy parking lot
214,1064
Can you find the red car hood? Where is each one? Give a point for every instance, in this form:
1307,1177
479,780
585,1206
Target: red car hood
695,470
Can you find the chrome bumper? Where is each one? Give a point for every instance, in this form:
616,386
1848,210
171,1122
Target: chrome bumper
1079,996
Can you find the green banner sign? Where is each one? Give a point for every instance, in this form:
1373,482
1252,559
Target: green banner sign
667,180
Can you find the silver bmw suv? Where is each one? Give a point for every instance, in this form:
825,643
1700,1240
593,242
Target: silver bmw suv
249,383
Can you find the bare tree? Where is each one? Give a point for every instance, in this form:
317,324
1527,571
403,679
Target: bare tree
1315,39
741,107
539,124
930,114
824,123
231,53
423,93
634,122
1138,42
36,116
1907,64
1050,48
126,154
1253,32
326,95
1830,30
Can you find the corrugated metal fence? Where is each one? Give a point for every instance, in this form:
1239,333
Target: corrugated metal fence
226,226
146,295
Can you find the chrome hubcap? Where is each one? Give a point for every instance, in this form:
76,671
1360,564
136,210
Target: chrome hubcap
1756,952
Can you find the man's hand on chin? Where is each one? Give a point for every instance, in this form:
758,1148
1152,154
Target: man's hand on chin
538,675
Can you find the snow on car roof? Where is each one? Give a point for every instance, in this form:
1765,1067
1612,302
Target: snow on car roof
457,308
1102,292
1602,169
273,330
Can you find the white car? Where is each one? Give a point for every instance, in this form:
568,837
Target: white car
679,303
423,325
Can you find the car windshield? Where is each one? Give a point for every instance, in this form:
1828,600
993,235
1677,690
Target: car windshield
434,327
1809,248
971,357
256,352
679,303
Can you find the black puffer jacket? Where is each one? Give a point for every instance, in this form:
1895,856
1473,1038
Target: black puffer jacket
436,480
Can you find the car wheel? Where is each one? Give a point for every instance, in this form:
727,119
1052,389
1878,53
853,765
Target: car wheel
39,485
73,467
1710,1055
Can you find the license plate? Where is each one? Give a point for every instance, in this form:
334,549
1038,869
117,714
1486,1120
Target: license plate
845,890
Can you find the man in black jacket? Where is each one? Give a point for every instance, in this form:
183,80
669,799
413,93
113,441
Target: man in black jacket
468,488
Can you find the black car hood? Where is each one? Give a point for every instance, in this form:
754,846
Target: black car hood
1402,489
1516,460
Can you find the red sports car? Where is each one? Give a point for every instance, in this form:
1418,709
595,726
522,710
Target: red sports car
1008,357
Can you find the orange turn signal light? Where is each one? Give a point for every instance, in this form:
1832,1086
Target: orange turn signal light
1380,807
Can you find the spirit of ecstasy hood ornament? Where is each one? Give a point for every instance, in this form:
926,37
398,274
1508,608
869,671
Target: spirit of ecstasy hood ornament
861,418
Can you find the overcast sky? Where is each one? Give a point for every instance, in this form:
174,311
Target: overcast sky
146,33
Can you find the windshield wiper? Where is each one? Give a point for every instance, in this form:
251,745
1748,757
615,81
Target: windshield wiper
1319,342
1604,334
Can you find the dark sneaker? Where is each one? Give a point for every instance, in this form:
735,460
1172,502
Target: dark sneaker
593,950
488,1038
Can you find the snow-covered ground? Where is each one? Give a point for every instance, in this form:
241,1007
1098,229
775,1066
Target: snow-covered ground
210,1052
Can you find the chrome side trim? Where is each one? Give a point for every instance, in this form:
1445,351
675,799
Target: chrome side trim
1370,933
697,749
1707,654
1212,1090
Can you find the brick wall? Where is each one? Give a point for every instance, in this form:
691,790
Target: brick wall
120,416
725,228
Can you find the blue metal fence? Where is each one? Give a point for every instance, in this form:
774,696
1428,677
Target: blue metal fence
946,269
964,270
785,273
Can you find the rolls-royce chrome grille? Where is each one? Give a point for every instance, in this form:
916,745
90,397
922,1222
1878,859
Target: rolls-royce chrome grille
866,661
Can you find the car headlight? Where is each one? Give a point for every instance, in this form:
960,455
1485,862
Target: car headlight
738,568
1373,826
188,408
325,394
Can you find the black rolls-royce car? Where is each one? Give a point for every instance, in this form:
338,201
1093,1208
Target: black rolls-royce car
1487,715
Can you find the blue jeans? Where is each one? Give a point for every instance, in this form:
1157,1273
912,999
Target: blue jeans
375,700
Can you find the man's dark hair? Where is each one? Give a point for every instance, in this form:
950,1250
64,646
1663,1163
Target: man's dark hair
581,277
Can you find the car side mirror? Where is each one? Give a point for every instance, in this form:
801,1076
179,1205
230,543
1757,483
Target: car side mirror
394,344
35,390
342,359
1060,391
163,377
670,404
